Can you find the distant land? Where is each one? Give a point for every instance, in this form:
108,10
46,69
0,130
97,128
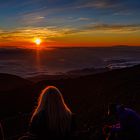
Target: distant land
31,62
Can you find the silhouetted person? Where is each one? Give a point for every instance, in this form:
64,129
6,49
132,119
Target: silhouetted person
127,125
1,133
52,119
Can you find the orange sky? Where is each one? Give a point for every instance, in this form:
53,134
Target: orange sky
23,37
70,23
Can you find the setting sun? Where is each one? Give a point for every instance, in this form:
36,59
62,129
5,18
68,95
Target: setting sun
37,41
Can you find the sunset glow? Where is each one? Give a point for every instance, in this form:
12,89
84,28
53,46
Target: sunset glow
70,23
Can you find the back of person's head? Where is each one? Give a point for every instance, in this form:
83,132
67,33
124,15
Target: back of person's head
58,115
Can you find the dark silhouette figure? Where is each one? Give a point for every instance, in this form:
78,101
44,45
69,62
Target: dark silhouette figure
126,123
1,133
52,119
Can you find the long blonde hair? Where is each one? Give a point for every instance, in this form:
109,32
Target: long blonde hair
57,112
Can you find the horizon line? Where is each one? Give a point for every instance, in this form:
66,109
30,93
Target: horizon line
49,47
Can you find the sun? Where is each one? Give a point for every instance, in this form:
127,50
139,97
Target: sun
37,41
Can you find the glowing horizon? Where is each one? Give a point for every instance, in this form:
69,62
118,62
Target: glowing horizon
72,23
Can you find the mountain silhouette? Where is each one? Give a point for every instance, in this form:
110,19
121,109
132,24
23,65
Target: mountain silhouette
87,96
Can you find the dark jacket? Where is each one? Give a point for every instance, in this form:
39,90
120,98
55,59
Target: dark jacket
38,129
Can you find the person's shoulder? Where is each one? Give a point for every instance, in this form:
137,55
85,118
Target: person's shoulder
132,114
130,111
39,115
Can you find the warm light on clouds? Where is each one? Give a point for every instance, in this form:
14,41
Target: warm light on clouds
122,28
89,35
70,23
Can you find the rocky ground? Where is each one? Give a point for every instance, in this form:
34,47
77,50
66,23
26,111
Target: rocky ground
87,96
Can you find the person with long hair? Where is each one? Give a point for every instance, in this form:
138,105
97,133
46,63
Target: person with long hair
51,118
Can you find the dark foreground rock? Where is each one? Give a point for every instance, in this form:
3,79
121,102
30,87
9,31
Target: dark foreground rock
87,96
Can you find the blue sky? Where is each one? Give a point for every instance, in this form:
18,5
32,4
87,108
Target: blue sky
17,13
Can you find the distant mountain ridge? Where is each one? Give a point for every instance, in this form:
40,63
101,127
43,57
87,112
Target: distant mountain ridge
10,82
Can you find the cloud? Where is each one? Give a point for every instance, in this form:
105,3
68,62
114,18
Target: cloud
110,7
50,32
32,19
42,19
84,19
114,27
1,31
100,4
68,21
28,33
